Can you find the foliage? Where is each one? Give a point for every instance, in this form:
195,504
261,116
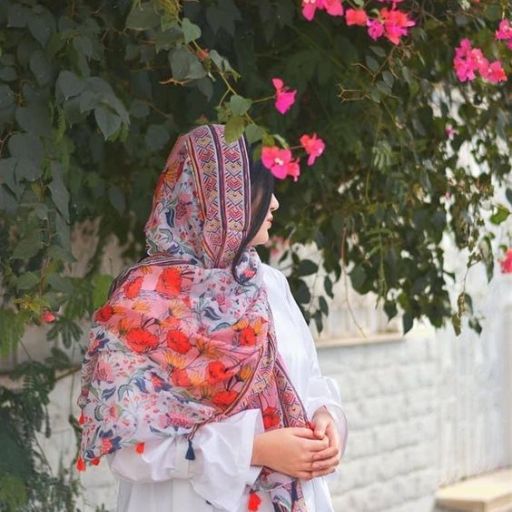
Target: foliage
93,94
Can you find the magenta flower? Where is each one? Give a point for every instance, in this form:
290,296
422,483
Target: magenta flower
356,17
309,8
396,24
279,162
375,29
333,7
494,73
506,263
313,145
504,32
285,97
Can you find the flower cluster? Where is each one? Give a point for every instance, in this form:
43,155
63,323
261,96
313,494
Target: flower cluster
504,32
390,23
279,161
469,61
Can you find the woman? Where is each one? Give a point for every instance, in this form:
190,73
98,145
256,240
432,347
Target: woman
201,376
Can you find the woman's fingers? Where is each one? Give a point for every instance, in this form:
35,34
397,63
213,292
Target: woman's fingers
325,464
302,432
328,453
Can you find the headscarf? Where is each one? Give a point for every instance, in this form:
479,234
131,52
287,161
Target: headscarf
182,341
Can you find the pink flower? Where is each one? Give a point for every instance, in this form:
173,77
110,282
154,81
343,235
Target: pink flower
309,8
396,24
333,7
356,17
285,97
494,73
469,60
313,145
450,131
504,32
48,317
280,162
375,29
506,262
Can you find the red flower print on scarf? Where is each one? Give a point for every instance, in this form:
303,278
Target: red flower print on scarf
217,372
132,288
169,282
141,340
178,342
270,418
180,378
224,398
104,313
247,336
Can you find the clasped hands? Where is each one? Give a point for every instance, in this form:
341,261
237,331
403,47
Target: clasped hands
300,452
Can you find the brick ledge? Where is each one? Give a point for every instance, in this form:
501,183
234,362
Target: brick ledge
491,492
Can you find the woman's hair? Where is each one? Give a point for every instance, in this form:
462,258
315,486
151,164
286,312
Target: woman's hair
262,188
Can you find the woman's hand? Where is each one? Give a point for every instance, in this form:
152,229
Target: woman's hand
289,450
325,461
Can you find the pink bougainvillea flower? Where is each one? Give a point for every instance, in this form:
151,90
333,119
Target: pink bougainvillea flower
280,162
333,7
313,145
309,8
468,61
356,17
504,32
375,29
450,131
285,97
506,262
396,24
494,73
48,317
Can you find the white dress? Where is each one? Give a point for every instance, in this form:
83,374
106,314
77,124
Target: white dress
162,480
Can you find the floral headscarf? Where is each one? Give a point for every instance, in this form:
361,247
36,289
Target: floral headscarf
180,341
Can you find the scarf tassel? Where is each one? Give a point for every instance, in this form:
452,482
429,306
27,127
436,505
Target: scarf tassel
294,495
190,455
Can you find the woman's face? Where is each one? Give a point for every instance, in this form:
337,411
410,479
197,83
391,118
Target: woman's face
262,236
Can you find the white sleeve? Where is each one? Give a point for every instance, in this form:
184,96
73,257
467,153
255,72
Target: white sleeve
321,391
223,453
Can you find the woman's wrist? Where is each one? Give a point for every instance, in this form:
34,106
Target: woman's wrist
257,450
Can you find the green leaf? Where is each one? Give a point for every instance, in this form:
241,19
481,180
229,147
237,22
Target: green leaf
108,121
254,133
234,129
69,85
26,146
27,280
142,17
407,322
61,283
34,119
27,170
41,67
306,268
191,32
60,194
239,105
100,287
185,65
500,215
28,246
6,96
12,326
357,277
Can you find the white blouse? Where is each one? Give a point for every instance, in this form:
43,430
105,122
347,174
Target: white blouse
162,480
